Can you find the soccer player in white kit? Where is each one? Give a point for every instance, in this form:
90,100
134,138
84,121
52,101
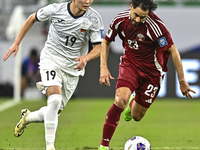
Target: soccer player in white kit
62,59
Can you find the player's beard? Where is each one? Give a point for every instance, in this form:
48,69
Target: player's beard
134,23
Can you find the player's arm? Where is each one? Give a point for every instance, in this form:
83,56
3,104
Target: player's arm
94,53
105,75
25,28
184,87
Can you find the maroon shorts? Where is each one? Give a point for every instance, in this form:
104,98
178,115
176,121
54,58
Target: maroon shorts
146,87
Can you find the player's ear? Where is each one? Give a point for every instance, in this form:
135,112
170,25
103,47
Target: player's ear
131,7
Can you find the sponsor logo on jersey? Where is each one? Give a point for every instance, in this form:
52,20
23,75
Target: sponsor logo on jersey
140,37
149,101
162,41
60,20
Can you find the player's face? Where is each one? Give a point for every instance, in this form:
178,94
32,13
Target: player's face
83,5
137,15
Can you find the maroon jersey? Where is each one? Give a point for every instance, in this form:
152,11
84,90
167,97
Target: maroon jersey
145,46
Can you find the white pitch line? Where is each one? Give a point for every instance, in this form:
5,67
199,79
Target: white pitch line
8,104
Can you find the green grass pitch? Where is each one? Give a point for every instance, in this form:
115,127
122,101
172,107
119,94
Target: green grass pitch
169,124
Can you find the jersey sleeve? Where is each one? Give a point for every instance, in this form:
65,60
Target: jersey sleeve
112,31
160,34
97,30
45,13
118,20
165,41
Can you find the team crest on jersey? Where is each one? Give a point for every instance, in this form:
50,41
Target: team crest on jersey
162,41
140,37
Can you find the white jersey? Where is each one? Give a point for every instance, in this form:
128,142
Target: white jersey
69,35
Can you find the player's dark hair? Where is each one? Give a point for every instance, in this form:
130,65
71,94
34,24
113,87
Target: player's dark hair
145,5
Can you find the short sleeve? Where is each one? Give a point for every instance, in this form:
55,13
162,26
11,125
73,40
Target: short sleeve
159,33
45,13
114,25
165,40
97,31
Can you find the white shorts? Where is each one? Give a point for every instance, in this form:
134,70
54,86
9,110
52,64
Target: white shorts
51,75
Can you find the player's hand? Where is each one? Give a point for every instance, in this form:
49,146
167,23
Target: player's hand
82,62
185,89
105,76
13,49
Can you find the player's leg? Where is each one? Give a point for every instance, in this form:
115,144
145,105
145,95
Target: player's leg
37,116
51,86
127,112
30,117
145,96
124,88
137,111
56,103
134,110
51,115
113,116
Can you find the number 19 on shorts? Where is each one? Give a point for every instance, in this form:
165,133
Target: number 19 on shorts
50,75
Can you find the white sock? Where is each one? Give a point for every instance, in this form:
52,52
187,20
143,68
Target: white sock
51,117
37,116
50,147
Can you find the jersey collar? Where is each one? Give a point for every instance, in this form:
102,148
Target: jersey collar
75,17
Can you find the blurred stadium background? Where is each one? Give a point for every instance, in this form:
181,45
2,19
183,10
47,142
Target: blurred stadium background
176,127
182,18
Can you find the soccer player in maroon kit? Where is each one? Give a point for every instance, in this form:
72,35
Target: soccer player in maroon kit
147,46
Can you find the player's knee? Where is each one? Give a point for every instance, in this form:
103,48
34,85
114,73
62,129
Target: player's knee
54,102
120,102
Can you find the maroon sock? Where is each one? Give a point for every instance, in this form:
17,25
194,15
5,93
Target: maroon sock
111,122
